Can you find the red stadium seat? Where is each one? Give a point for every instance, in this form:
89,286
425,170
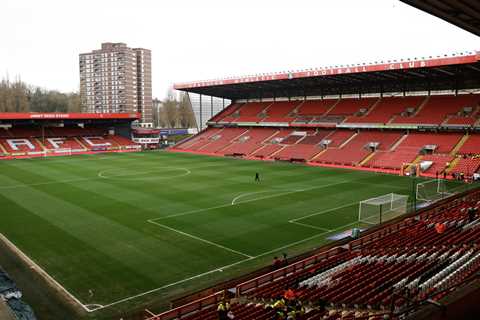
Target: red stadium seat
26,141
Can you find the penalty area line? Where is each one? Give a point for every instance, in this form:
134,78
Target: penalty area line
234,201
200,239
323,212
248,201
219,269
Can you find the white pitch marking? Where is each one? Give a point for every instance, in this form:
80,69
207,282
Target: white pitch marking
201,239
94,307
220,268
260,192
309,226
78,179
40,270
304,240
247,201
99,307
323,212
174,284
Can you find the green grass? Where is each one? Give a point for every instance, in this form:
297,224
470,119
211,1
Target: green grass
125,224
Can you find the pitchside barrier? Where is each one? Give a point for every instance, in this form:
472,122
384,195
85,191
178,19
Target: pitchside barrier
197,305
270,277
281,273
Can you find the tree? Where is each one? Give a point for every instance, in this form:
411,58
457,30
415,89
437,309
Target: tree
171,113
19,97
186,115
13,96
176,111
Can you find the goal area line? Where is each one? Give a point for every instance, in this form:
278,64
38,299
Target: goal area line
92,307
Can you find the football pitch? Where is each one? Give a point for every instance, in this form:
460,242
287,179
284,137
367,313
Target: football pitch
123,230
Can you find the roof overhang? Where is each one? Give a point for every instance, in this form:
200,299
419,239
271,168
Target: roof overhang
68,116
462,13
440,73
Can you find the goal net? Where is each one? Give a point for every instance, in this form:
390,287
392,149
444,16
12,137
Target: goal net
62,151
434,190
379,209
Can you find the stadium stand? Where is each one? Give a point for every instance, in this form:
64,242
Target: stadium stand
226,112
377,117
281,111
359,147
305,149
350,107
267,151
248,112
271,145
391,270
440,162
386,109
25,135
436,109
412,146
222,139
465,164
31,142
316,107
250,141
199,140
471,145
304,133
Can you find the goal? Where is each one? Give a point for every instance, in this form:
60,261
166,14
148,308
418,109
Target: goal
379,209
437,189
63,152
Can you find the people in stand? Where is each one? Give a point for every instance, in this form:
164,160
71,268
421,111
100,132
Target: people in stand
285,260
472,213
223,309
289,294
277,263
280,308
440,227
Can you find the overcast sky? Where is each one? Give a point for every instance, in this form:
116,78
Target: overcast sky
203,39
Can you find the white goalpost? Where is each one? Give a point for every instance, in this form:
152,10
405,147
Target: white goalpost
63,152
437,189
379,209
431,190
